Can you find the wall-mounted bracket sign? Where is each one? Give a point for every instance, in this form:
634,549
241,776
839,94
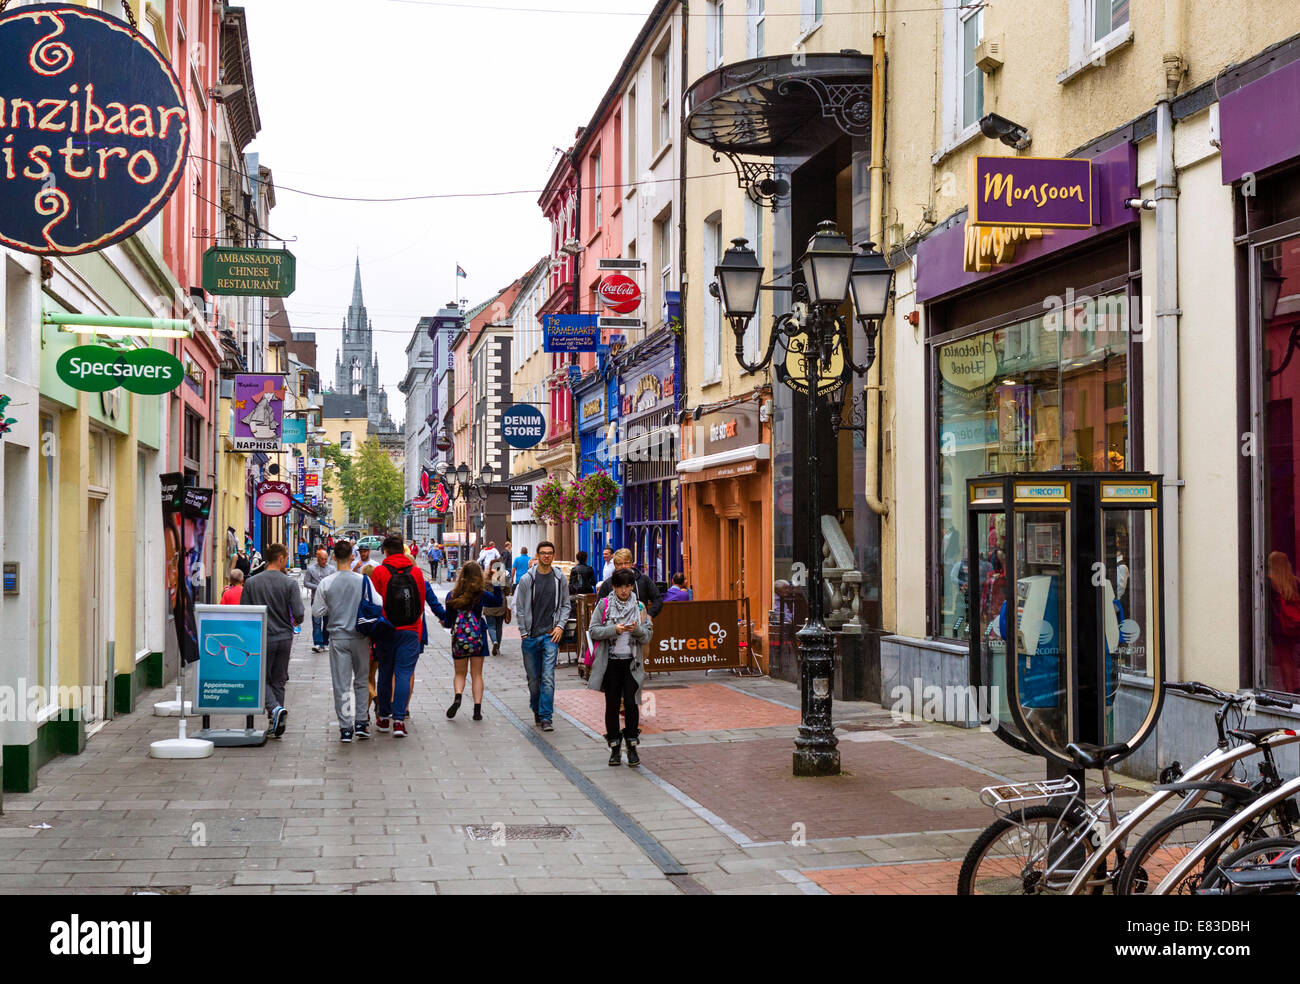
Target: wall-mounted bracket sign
274,498
95,130
230,272
570,333
523,426
97,368
1039,192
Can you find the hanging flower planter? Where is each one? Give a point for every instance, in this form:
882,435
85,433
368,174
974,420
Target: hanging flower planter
599,494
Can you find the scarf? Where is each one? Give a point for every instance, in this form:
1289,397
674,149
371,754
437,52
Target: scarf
623,612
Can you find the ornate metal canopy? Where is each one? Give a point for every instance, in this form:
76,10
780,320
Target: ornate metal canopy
758,107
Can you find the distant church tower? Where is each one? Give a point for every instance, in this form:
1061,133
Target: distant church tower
356,367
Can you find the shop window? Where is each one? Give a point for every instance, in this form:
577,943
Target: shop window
193,437
1045,394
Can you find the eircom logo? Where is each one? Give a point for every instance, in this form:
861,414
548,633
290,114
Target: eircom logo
710,643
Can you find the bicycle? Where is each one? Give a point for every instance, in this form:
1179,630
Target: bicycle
1266,867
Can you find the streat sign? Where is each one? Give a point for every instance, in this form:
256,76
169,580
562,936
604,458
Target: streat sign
620,294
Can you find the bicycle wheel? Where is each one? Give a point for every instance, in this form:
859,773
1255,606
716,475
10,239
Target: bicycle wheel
1260,852
1012,856
1164,845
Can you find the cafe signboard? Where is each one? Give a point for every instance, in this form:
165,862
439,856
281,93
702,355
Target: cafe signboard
95,130
694,635
242,272
1038,192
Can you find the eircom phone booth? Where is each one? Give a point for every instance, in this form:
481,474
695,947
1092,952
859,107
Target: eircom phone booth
1065,607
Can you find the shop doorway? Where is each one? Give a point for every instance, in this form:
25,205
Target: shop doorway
98,601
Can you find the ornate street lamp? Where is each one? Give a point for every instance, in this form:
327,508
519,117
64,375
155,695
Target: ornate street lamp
819,358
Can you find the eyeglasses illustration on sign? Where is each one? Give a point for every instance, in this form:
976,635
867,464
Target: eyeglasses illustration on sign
235,648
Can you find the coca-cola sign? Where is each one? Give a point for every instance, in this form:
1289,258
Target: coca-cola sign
620,294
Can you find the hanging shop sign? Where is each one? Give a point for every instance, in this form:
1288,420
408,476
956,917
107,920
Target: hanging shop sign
619,293
570,333
274,498
521,495
427,480
95,128
96,368
969,364
1045,192
796,368
259,412
232,645
523,426
294,430
235,272
440,498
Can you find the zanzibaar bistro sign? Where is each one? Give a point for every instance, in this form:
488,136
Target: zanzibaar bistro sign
1042,192
93,130
969,364
97,368
236,272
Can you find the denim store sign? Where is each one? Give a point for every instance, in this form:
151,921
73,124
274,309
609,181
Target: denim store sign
232,651
94,131
523,426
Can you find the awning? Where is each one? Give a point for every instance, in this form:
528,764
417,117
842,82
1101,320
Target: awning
642,442
301,506
750,452
455,539
528,477
758,106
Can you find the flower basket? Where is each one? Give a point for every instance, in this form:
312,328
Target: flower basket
599,494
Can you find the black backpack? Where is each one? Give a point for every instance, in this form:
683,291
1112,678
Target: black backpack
402,602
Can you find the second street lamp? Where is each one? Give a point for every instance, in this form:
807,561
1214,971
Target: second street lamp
818,360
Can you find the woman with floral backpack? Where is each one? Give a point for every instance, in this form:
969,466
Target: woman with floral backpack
469,638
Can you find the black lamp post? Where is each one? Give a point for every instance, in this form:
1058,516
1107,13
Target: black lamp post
819,357
470,489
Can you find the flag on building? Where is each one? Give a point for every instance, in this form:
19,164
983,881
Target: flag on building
460,272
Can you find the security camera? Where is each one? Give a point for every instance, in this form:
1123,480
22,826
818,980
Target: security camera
713,289
1146,204
697,413
1012,134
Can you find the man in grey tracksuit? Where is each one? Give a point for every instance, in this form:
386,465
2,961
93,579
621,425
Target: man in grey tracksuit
282,597
541,602
336,603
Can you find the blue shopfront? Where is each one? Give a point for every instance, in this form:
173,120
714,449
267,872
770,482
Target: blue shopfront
647,449
592,396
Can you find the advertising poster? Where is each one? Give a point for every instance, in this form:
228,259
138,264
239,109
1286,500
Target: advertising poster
196,509
259,412
232,649
694,635
173,498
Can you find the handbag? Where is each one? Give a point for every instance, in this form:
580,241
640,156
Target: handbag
370,615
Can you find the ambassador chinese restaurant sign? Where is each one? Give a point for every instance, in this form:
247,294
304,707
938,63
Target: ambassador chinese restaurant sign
94,131
1037,192
249,272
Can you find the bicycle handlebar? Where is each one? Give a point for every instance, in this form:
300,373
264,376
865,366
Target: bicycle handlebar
1195,687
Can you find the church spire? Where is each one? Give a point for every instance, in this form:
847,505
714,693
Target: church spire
356,287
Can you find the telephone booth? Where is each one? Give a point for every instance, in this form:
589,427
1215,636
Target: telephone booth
1065,606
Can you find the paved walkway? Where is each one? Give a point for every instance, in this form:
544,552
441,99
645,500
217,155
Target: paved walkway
713,809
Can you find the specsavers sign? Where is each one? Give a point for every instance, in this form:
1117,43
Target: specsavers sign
96,368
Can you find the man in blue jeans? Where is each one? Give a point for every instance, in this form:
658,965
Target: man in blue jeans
400,650
542,607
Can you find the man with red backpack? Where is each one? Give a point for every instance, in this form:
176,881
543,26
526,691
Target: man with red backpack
401,585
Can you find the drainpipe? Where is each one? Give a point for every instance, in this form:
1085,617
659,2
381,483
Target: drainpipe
679,344
1167,317
871,396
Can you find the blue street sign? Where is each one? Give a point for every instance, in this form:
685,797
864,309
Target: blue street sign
523,426
570,333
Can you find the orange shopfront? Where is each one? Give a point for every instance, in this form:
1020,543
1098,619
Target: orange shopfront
727,520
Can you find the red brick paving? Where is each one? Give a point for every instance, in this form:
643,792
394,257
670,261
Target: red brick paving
696,707
749,784
925,878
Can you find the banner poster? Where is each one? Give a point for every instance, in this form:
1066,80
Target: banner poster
232,668
173,497
197,508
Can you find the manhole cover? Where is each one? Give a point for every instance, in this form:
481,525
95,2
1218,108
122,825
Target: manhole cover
520,832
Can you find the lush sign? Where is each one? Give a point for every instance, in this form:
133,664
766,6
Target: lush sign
1043,192
249,272
96,368
523,426
93,130
570,333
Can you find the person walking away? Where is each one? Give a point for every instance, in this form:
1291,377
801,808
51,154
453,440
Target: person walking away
608,569
542,607
467,604
232,594
622,628
646,591
311,580
582,577
507,562
337,598
282,597
401,585
489,554
497,615
435,560
678,591
521,564
302,553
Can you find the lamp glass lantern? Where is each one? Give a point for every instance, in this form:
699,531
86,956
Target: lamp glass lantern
827,265
462,473
871,281
739,278
485,475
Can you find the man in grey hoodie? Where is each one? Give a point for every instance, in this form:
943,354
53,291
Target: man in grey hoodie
336,603
284,609
541,603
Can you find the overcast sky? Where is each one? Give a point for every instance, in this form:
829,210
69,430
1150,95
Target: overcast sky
382,98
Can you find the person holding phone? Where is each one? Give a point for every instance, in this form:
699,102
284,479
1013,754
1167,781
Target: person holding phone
621,627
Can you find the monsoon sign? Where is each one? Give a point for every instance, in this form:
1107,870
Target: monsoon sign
1040,192
523,426
94,131
97,368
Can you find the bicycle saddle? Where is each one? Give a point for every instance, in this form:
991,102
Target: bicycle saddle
1257,736
1096,756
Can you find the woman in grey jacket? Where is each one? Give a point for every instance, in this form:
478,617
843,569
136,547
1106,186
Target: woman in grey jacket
622,628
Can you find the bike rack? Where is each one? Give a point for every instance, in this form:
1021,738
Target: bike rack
1005,799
